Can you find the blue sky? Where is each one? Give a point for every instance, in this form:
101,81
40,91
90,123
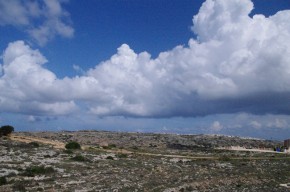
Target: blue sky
192,66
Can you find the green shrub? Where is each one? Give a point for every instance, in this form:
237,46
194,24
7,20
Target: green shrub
134,147
189,188
73,145
122,155
224,158
3,181
68,151
38,170
78,158
4,138
6,130
238,185
40,189
19,186
110,158
112,146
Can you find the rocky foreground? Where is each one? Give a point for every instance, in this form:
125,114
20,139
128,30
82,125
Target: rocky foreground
110,161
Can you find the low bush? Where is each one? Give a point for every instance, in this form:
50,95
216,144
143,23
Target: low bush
78,158
224,158
19,186
3,181
122,155
68,151
38,170
110,158
73,145
112,146
134,147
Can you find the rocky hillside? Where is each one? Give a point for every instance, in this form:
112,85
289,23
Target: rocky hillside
161,141
137,162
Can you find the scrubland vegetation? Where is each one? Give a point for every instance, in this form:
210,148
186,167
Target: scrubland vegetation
106,161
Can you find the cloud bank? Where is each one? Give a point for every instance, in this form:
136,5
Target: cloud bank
237,63
50,17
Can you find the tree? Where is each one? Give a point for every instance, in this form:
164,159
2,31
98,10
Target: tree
73,145
6,130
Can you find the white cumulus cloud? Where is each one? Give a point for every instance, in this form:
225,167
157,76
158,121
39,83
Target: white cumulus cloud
237,64
216,126
255,124
42,19
25,84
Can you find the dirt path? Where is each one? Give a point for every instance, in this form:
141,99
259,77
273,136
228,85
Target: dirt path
25,139
237,148
176,156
